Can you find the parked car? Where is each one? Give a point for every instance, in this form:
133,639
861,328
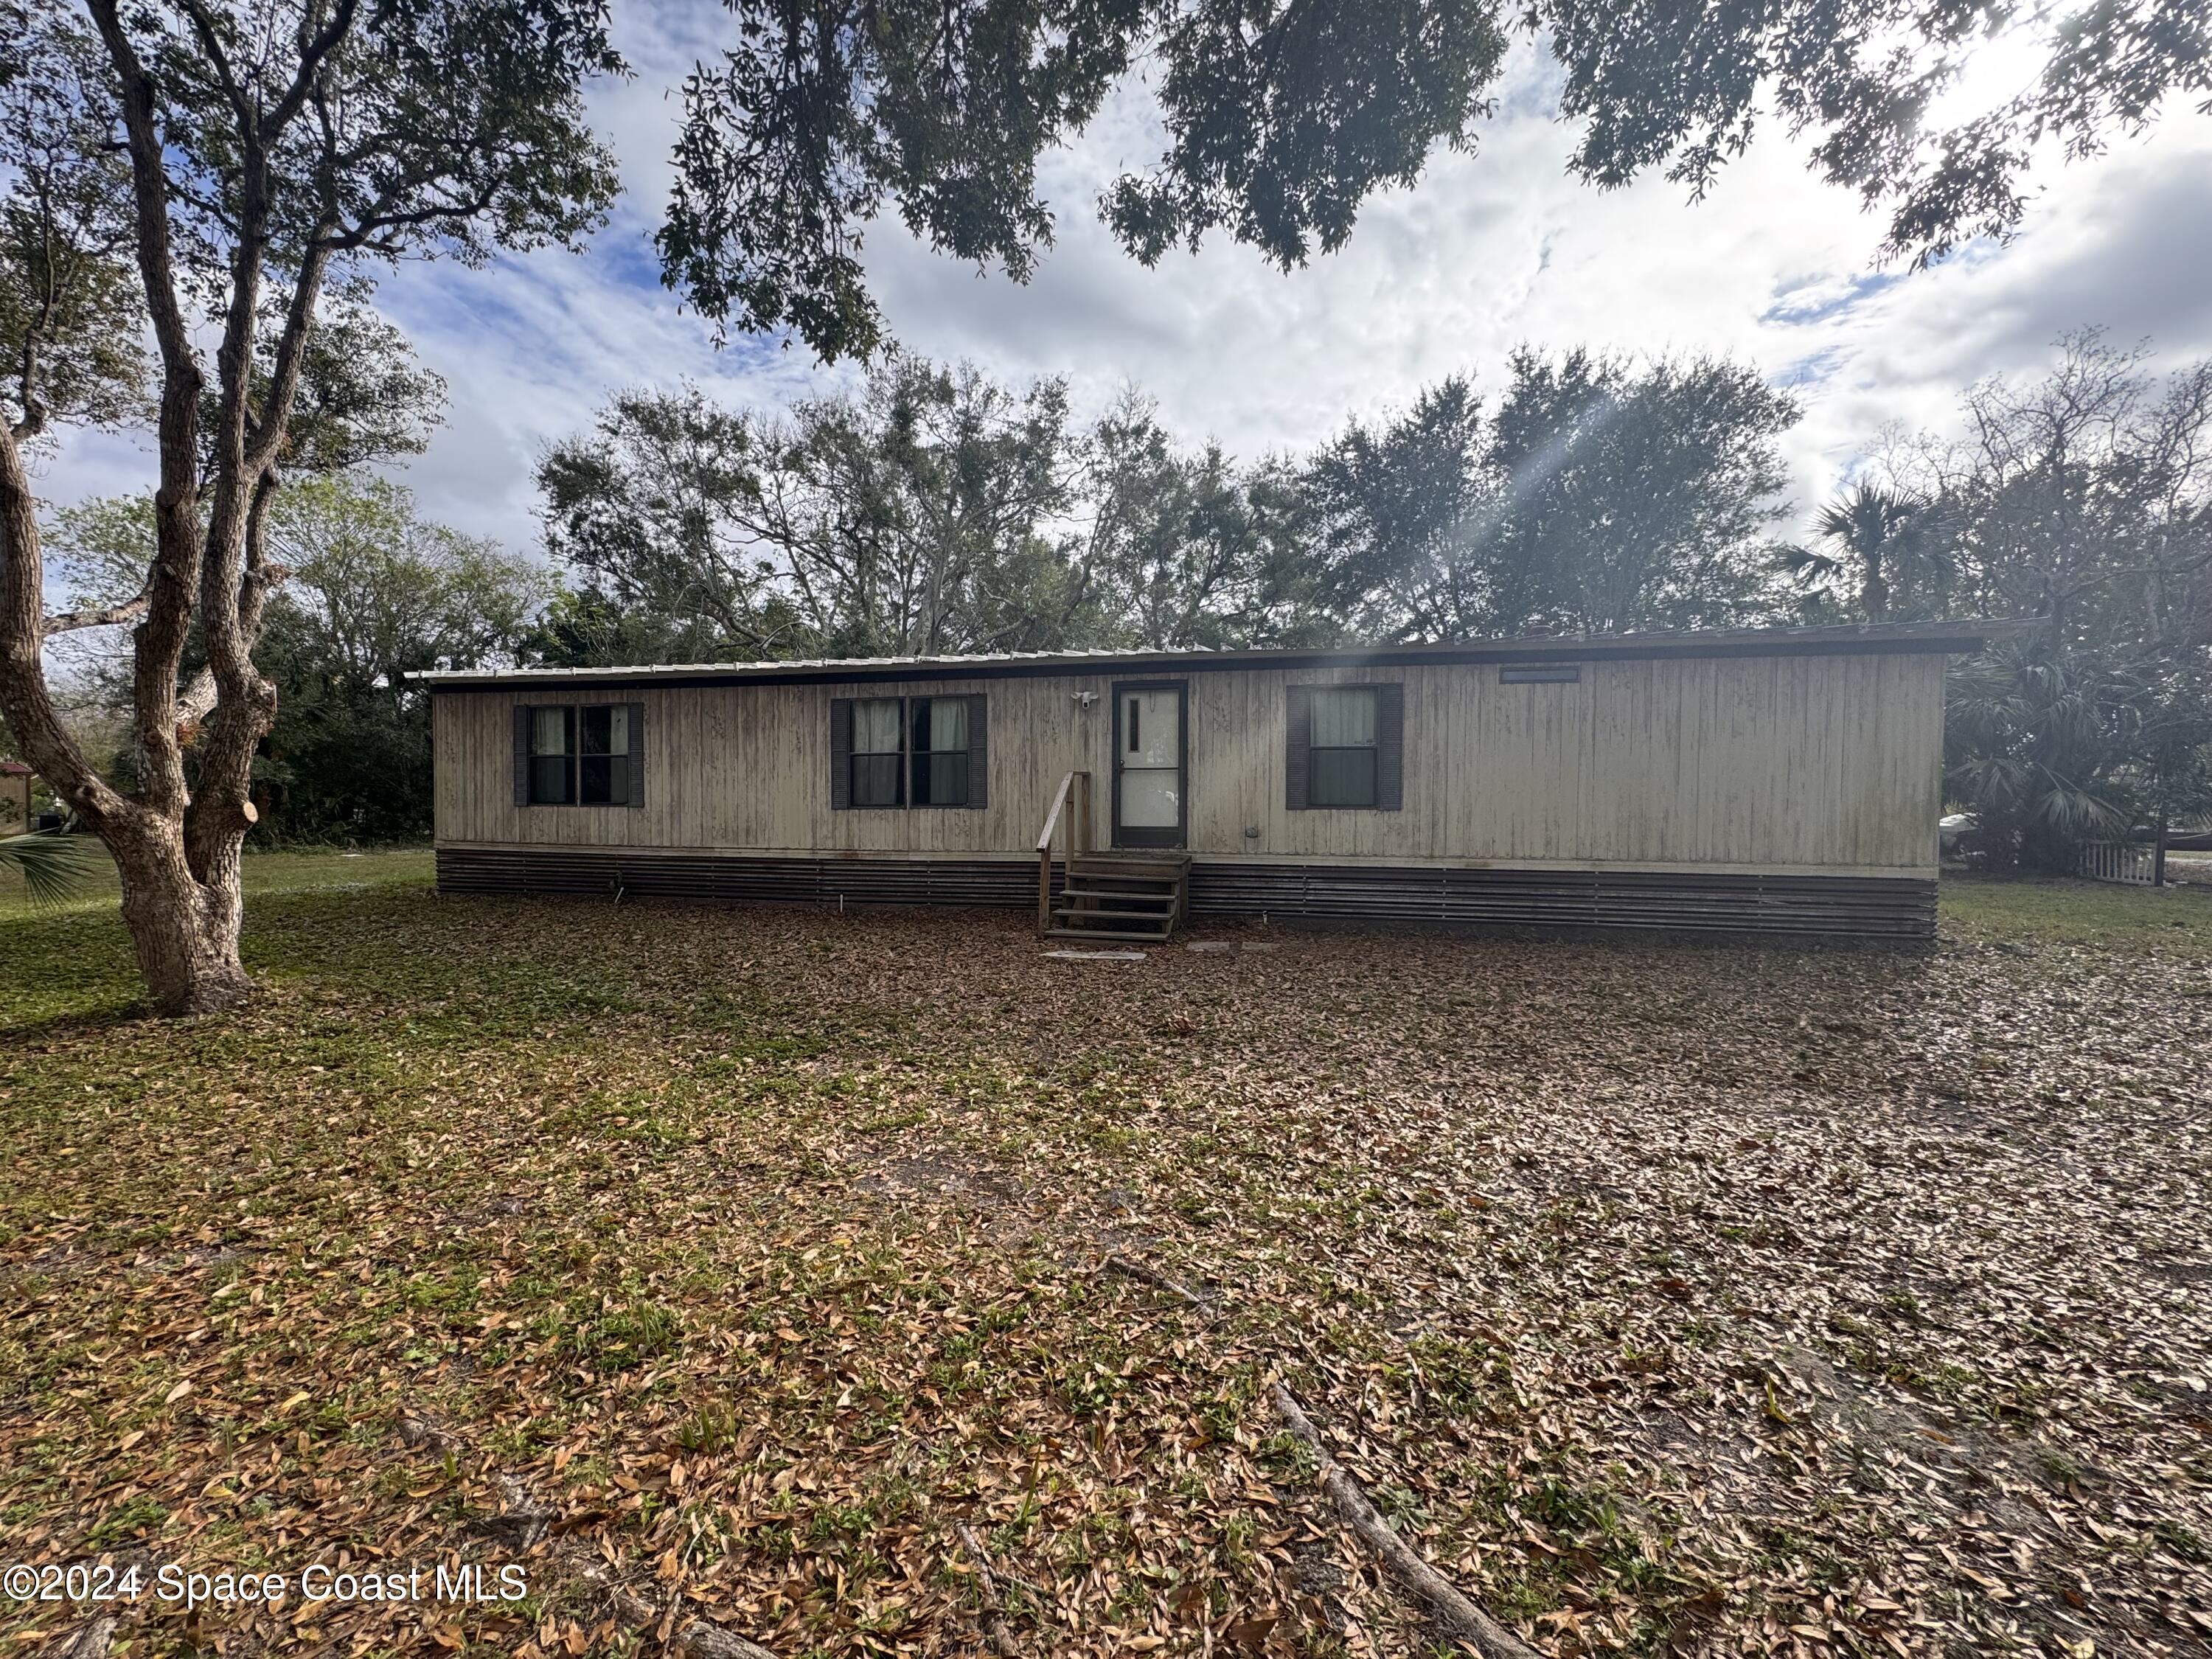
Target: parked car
1951,831
2191,835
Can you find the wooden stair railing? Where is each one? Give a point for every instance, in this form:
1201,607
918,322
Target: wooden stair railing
1075,787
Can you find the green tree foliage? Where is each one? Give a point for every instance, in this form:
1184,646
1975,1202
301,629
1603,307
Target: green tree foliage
1657,83
1183,546
375,593
1387,506
583,628
934,511
2080,502
1282,117
910,518
1601,496
364,398
71,316
383,592
1280,121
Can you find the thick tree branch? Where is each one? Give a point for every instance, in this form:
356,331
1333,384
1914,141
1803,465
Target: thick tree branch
210,41
245,701
150,185
266,436
172,582
106,616
34,409
313,52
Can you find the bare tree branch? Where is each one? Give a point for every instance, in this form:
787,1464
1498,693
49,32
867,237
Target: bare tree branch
104,615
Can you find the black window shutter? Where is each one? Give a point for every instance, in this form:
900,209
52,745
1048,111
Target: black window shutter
1297,740
840,753
521,756
979,751
637,754
1390,747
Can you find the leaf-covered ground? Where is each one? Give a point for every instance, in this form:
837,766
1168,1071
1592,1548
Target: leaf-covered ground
1672,1297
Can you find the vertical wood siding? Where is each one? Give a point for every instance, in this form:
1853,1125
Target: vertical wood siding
1774,762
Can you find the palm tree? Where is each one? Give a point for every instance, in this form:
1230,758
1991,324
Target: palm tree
53,866
1876,534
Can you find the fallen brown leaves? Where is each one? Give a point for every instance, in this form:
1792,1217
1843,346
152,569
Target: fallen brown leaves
1722,1300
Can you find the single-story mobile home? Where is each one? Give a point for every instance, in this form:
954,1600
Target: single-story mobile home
1783,779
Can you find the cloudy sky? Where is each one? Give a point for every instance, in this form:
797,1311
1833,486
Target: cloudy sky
1488,251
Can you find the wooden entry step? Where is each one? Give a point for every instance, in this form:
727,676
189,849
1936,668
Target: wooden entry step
1142,896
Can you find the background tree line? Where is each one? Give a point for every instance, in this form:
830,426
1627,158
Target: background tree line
937,511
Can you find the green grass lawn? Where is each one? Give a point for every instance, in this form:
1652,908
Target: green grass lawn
2174,920
1694,1299
83,957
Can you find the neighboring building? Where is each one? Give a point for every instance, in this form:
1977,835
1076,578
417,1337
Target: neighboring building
14,797
1780,779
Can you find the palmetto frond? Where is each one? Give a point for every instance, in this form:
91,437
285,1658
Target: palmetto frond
54,867
1810,565
2075,813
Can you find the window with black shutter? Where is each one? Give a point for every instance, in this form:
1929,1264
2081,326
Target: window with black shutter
908,752
587,755
1341,767
1344,747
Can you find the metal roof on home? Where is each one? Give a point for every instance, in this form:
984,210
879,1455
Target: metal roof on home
1888,639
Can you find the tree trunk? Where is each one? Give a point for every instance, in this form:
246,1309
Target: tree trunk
1874,591
184,929
180,863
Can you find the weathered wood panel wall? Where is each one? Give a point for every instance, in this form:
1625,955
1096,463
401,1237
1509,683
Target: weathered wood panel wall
1769,763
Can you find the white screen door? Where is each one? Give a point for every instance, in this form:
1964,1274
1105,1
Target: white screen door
1148,754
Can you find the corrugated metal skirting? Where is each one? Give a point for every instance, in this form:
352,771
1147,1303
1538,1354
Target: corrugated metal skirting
1858,906
826,881
1885,907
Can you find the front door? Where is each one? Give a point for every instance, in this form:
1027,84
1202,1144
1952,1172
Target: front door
1149,752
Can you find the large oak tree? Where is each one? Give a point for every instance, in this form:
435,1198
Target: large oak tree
237,159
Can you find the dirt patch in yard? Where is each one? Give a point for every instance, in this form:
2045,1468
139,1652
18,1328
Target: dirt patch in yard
1709,1299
